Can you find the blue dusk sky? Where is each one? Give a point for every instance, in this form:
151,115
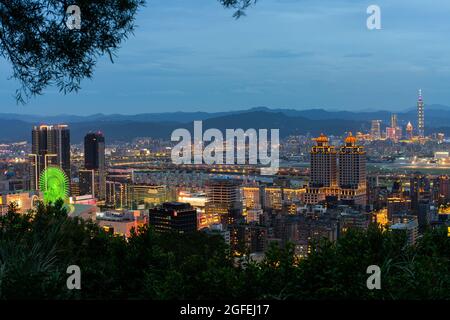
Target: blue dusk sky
191,55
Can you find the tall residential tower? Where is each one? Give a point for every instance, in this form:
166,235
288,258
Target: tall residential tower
323,163
223,200
352,171
339,174
50,147
352,165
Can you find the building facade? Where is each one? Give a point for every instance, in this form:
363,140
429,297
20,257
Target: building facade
94,161
50,147
173,217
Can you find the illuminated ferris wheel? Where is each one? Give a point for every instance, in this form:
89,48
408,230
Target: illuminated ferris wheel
54,184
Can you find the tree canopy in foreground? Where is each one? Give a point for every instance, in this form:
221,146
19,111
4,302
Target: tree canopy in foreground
37,248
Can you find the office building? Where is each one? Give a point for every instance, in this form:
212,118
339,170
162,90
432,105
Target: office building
420,116
94,161
198,201
375,130
409,131
116,194
143,196
94,151
173,217
89,183
394,132
394,123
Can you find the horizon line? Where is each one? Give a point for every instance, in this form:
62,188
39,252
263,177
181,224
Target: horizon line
224,111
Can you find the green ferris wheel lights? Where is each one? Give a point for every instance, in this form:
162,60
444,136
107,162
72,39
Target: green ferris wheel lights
54,184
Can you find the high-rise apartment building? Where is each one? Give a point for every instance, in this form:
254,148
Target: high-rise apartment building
251,197
352,170
273,198
352,164
50,147
341,174
323,164
223,199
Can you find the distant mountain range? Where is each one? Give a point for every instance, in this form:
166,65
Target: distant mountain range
116,127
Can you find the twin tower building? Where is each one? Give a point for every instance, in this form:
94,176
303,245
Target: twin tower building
337,172
51,148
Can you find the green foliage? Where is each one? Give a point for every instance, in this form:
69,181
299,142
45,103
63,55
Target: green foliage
37,248
43,51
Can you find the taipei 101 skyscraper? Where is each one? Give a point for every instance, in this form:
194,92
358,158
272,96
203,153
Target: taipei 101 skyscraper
420,116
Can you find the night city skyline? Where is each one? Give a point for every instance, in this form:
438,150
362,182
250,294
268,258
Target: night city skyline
238,158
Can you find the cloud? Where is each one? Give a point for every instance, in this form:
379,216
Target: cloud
359,55
285,52
247,90
280,54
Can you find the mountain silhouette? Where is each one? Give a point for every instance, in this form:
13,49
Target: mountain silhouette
116,127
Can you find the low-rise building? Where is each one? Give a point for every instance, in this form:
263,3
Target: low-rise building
121,223
173,217
24,200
